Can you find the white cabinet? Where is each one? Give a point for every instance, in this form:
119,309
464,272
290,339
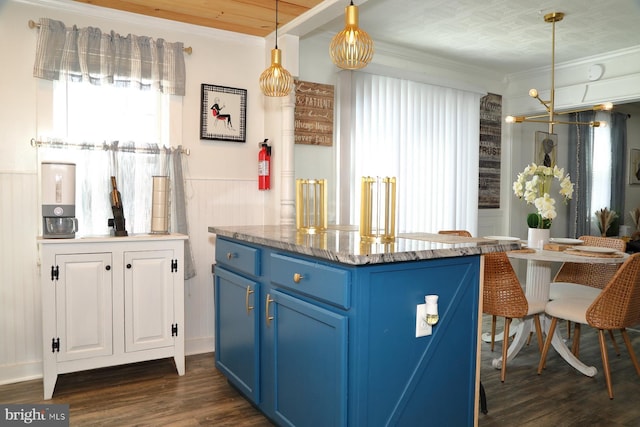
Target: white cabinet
109,301
83,302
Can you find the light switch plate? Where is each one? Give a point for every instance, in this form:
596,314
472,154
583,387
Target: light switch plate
422,329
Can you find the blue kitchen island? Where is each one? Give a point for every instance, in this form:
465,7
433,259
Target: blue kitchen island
320,329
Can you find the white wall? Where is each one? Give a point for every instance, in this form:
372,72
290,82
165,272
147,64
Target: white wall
221,176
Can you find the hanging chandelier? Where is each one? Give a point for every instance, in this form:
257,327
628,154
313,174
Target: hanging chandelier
550,116
276,80
351,48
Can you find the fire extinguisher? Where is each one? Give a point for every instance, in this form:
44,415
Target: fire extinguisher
264,166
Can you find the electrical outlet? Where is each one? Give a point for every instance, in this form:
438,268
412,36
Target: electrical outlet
422,329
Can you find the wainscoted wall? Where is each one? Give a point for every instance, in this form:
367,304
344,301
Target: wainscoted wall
210,202
20,319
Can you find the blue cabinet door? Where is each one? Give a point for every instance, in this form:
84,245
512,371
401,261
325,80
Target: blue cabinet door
237,348
310,361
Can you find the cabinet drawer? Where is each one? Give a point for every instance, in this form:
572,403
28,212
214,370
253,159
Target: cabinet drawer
319,281
240,257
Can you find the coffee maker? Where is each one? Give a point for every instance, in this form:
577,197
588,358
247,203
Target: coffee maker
59,200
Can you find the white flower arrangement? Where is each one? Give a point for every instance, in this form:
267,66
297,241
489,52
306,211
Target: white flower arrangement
534,186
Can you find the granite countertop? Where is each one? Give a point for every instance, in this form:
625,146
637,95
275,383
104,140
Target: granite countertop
342,244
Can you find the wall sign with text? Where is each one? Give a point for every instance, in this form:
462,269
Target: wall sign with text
313,124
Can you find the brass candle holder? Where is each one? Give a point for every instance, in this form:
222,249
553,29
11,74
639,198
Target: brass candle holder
311,205
378,209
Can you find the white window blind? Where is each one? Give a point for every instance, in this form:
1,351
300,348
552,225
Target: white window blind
427,136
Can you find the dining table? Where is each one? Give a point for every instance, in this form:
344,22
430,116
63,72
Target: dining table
538,280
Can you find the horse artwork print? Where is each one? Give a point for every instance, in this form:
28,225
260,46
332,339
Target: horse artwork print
223,113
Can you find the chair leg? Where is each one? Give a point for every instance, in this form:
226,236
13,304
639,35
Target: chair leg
605,362
568,329
615,344
536,320
632,354
493,332
575,347
547,344
505,347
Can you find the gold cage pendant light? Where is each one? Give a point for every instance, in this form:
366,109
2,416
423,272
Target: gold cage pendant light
276,80
351,48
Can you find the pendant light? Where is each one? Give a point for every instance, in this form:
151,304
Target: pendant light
550,116
275,80
351,48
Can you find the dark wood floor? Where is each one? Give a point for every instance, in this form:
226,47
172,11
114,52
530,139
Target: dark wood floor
152,394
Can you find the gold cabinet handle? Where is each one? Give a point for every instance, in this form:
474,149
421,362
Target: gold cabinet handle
230,255
269,318
246,300
297,277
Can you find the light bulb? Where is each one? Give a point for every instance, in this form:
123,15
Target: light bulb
533,93
510,119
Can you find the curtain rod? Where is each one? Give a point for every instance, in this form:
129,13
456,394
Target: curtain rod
33,24
61,144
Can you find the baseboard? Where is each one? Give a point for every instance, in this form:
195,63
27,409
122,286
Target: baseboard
198,345
10,374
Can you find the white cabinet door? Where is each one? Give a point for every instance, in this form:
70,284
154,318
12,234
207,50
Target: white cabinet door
83,306
148,299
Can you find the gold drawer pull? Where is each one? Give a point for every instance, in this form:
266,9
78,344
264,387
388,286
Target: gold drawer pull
297,277
267,316
246,300
230,255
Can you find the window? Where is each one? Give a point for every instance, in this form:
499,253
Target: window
110,131
601,167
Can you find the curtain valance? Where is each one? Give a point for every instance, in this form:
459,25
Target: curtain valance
88,54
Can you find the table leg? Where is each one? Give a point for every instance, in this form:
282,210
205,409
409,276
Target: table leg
561,347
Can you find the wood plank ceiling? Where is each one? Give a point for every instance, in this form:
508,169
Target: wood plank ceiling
252,17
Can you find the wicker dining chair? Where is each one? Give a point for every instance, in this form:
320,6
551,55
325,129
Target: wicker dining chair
502,296
617,307
462,233
585,280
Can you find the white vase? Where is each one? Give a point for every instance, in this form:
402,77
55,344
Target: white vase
538,237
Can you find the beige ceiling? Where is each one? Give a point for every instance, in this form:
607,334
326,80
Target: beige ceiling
507,36
253,17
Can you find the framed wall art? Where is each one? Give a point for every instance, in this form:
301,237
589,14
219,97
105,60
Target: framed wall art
223,113
546,149
634,166
490,151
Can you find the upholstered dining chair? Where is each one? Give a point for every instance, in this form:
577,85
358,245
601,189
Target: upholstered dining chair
502,296
585,280
616,307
